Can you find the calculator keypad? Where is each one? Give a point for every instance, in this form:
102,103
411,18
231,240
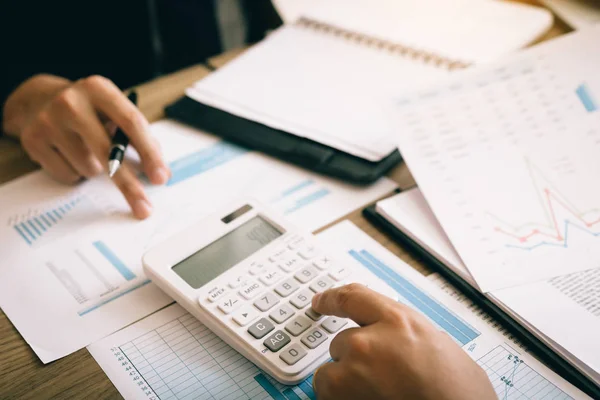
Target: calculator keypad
261,328
302,299
269,303
282,313
266,301
287,288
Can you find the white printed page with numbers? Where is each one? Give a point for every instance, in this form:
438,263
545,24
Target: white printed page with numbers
507,157
171,355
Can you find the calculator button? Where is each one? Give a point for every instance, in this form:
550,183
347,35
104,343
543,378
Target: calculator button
293,354
323,262
334,324
271,276
277,341
306,274
241,280
250,290
301,299
245,315
295,243
261,328
298,325
290,264
230,303
340,273
279,255
286,288
308,253
321,284
257,268
282,313
312,314
314,338
216,293
266,301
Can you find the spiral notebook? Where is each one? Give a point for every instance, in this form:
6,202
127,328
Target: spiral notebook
326,76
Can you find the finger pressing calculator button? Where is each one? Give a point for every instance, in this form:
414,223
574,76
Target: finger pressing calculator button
271,276
321,284
293,354
277,341
312,314
306,274
230,303
286,288
334,324
261,328
323,262
282,313
339,273
300,300
266,301
313,338
250,290
245,315
298,325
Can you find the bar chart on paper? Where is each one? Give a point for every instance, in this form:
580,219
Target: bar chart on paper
411,295
39,227
94,275
183,359
299,195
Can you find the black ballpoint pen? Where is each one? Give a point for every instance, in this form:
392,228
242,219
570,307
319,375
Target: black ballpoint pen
119,144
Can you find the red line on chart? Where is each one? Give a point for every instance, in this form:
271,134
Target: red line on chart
556,234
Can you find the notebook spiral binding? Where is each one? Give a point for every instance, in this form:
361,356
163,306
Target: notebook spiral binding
384,45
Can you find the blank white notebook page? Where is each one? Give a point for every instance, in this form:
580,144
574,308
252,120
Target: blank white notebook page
318,86
508,160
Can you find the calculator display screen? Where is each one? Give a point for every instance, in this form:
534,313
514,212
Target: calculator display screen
222,254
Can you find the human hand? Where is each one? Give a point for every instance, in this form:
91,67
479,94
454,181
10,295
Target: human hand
61,125
395,354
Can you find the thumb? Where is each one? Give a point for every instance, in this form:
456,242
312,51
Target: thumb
357,302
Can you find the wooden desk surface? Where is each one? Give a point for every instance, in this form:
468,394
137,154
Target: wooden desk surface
22,375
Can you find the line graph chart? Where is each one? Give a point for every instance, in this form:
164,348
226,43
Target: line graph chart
561,218
514,379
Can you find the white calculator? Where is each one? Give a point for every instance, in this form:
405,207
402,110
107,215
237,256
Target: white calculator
249,276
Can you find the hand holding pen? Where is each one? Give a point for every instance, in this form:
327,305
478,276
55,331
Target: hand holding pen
61,127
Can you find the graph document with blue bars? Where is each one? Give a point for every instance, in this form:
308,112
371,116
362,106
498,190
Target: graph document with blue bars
172,355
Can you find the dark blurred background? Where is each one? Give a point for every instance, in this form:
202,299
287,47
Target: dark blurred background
128,41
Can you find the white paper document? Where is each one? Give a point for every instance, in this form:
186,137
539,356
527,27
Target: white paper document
563,312
71,270
171,355
507,158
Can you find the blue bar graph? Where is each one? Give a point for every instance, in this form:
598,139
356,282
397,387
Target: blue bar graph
290,394
290,191
268,386
203,161
586,99
308,199
307,388
114,260
33,229
412,295
112,298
